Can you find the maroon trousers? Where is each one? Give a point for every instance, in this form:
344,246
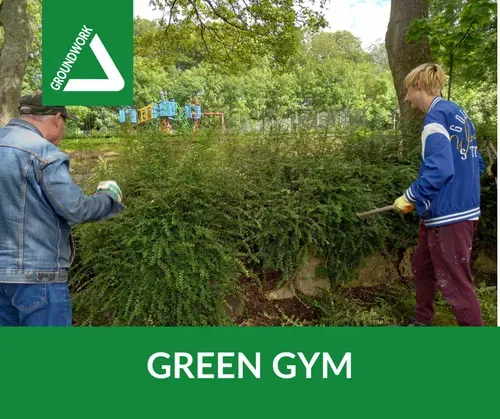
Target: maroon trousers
442,260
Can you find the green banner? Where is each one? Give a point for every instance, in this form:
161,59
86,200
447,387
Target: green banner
110,372
87,52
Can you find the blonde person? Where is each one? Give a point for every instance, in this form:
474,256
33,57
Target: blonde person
446,196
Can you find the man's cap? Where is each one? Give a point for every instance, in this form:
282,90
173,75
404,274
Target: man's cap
32,105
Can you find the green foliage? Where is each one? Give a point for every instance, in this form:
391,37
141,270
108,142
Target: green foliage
92,144
326,72
96,118
298,73
480,102
378,52
391,305
232,33
462,36
372,306
33,76
150,79
340,45
486,236
488,299
202,213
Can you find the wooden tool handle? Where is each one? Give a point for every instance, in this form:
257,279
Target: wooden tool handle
375,211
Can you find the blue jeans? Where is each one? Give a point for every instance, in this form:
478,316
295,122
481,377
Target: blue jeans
35,305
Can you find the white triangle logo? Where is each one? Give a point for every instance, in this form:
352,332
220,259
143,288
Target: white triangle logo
114,81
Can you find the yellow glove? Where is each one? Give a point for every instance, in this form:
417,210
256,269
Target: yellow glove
403,205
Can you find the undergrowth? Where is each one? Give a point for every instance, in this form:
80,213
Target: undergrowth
203,211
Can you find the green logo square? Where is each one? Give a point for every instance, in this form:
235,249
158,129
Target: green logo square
88,52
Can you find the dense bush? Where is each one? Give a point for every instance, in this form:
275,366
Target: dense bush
486,236
203,211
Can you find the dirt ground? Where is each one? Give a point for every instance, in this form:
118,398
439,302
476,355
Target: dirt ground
260,311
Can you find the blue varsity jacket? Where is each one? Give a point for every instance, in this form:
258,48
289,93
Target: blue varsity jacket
447,188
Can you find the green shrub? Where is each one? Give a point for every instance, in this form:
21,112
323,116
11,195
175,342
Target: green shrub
202,211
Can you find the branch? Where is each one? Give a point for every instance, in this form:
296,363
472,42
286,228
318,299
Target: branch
238,14
210,30
162,41
250,12
203,26
225,19
468,29
170,16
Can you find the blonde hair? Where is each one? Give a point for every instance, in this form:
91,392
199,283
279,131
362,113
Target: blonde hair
432,76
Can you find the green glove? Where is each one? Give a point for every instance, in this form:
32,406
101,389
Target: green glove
403,205
111,189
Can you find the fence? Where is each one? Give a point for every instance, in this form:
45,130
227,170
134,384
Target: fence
321,120
103,124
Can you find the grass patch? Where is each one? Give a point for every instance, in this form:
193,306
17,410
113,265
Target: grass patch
93,144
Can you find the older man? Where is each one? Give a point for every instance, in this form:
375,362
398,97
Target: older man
38,204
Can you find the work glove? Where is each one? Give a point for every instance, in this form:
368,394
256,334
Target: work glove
111,189
403,205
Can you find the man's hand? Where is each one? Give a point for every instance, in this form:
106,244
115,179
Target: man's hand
403,205
112,189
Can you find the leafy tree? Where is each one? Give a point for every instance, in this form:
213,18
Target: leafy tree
340,45
234,32
379,55
150,79
461,34
481,105
226,29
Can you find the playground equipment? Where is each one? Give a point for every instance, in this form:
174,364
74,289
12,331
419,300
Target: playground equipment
169,112
165,110
128,114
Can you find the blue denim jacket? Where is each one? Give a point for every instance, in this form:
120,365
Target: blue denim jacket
38,204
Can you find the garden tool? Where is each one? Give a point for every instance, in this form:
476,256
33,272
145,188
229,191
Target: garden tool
375,211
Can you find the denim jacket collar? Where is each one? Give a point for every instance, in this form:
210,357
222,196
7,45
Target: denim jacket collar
25,124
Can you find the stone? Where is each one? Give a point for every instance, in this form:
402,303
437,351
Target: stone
312,287
405,269
376,270
310,269
309,279
235,306
281,293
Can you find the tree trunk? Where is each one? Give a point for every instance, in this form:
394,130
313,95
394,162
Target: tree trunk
404,57
14,56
